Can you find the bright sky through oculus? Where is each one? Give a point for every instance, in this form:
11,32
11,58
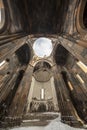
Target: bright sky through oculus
43,47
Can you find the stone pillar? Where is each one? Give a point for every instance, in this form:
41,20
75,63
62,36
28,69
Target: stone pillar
20,100
30,94
55,101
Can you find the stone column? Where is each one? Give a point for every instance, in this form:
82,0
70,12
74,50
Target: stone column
20,100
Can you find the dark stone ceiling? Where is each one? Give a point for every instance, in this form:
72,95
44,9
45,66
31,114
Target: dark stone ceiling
43,16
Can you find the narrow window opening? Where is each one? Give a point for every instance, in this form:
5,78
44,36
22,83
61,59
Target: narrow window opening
2,63
42,94
2,14
82,66
70,86
85,16
80,78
